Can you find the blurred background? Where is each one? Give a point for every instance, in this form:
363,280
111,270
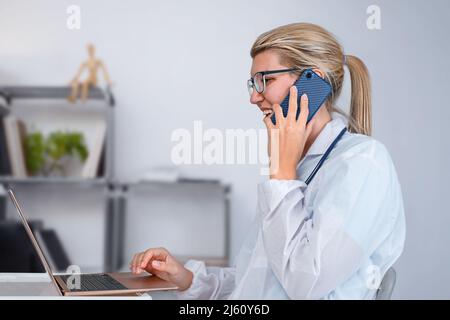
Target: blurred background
97,179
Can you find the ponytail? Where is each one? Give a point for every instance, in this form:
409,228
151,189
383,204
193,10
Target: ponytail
360,120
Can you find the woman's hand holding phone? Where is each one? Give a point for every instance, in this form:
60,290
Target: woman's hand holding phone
287,138
161,263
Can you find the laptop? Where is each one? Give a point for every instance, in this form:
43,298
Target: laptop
93,284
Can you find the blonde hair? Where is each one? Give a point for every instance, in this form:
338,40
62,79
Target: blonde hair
306,45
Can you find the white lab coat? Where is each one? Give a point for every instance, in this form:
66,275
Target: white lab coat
334,239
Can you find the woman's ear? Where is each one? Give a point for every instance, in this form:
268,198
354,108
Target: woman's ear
319,72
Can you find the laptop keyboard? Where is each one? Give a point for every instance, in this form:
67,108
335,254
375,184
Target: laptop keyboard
94,282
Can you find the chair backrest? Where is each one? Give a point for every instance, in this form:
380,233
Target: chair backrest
387,285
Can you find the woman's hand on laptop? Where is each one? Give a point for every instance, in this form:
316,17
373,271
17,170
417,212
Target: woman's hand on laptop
160,262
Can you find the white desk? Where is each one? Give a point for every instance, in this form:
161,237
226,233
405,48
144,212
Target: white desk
14,286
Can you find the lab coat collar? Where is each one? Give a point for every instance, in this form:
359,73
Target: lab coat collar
327,135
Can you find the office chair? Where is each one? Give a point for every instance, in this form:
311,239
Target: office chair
16,251
387,285
17,254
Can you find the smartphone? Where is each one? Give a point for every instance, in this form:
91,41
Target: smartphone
315,87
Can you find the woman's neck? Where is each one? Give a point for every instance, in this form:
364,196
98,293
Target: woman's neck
321,118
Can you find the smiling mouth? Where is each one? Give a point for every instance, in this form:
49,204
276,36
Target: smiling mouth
267,111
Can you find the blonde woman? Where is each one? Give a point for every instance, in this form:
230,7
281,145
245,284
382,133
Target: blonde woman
330,219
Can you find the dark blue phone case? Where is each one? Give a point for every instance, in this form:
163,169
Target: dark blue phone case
316,88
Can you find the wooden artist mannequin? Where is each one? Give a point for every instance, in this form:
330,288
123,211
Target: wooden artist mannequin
92,65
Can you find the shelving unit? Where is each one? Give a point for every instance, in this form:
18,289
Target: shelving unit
59,180
187,184
11,94
116,195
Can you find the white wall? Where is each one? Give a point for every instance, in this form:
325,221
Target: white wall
167,58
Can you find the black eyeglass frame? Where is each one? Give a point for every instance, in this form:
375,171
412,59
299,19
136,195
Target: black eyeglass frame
251,81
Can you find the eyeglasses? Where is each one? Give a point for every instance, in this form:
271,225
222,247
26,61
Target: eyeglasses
258,81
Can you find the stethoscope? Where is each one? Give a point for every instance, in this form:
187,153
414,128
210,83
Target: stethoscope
325,155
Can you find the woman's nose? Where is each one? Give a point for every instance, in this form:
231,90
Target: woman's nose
256,97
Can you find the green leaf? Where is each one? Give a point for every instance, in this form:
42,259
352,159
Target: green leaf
44,153
34,152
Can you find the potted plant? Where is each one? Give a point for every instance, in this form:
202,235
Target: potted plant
51,155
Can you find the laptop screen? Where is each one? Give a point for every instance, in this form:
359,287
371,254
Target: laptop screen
33,240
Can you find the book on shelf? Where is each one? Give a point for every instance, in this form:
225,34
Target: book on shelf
5,166
101,170
2,203
160,174
15,133
92,164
